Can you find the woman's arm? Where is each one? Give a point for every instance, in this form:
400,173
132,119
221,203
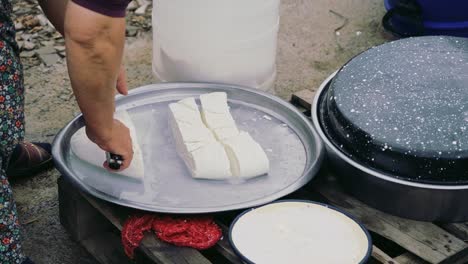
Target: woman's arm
95,45
55,12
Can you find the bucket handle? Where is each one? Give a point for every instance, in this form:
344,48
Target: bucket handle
410,10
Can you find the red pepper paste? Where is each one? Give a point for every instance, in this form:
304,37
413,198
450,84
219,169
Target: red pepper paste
133,232
195,232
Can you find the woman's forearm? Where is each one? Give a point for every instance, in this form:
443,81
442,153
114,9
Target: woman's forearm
94,52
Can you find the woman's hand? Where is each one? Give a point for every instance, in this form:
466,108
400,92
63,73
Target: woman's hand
118,142
122,87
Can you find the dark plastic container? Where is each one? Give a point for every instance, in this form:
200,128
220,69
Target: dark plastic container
426,17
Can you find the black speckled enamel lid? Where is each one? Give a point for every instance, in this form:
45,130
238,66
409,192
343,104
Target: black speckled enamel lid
402,108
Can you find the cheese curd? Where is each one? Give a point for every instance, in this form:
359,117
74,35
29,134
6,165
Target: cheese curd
196,145
246,156
89,152
210,143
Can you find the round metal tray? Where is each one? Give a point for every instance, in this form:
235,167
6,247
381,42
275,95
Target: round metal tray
292,146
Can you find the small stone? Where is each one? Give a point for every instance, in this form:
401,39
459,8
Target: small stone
57,35
27,54
47,43
37,29
28,45
44,68
142,9
30,21
19,26
50,30
25,36
132,6
142,2
43,21
49,59
131,31
59,48
46,50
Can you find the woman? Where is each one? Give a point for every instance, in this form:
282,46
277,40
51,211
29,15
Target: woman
94,32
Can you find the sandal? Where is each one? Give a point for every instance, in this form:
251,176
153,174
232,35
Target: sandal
27,261
29,158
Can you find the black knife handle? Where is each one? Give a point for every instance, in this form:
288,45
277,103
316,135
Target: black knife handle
114,160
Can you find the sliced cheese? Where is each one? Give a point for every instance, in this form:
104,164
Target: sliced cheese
216,115
211,162
196,145
246,156
210,143
89,152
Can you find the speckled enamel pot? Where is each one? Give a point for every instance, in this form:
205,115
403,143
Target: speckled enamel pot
393,120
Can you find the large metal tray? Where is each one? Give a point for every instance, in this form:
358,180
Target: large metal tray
293,147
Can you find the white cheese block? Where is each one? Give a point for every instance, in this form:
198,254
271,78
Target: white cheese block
299,232
89,152
186,118
216,115
210,144
196,145
210,162
247,157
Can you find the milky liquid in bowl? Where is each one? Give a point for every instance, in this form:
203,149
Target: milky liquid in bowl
299,232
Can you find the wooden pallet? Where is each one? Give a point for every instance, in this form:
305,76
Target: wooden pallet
96,225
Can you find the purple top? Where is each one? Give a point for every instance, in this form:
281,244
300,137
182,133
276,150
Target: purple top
112,8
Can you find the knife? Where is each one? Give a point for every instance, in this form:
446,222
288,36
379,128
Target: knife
114,160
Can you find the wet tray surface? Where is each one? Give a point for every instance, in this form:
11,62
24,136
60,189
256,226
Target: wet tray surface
286,136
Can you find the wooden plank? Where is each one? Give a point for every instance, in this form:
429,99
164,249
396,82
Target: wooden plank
224,247
302,110
460,257
76,215
460,230
381,256
154,249
106,210
164,253
303,98
408,258
106,248
425,240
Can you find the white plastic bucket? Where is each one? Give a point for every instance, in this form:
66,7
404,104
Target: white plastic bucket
228,41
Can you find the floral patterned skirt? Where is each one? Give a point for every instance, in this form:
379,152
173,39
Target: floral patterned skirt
11,132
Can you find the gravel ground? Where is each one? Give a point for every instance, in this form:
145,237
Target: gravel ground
316,37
